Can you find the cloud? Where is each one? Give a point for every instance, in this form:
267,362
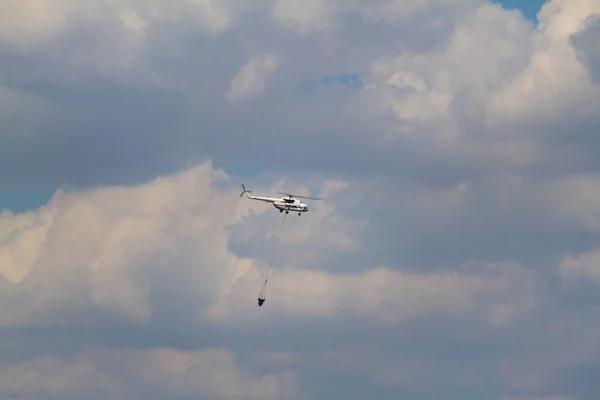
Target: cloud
133,374
250,80
122,234
389,296
131,254
313,15
537,398
586,47
321,15
117,243
426,85
583,266
115,253
555,79
29,25
455,254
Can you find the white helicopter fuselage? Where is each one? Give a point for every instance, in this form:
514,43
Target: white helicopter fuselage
296,206
282,203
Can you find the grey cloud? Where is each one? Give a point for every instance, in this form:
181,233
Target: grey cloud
425,229
586,44
446,351
76,321
156,373
134,134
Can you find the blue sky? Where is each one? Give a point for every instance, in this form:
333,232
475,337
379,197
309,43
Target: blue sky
19,200
529,8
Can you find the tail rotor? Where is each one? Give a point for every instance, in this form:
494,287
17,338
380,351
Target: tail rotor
244,190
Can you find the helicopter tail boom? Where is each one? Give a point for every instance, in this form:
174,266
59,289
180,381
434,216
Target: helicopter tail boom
265,199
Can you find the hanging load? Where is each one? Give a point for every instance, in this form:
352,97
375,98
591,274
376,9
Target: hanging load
262,296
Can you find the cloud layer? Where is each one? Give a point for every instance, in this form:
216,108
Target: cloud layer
455,254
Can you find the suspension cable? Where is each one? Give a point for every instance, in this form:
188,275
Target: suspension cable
263,293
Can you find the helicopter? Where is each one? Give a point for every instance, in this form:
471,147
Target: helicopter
287,204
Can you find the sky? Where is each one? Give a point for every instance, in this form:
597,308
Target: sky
456,254
529,8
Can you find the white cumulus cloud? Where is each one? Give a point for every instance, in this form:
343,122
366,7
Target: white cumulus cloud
251,79
102,374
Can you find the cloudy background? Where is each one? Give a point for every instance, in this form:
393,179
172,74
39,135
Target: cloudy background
457,254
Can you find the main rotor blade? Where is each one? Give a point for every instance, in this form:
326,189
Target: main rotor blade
301,197
308,197
286,193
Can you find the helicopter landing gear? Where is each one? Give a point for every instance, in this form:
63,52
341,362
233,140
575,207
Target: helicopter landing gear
287,212
299,213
